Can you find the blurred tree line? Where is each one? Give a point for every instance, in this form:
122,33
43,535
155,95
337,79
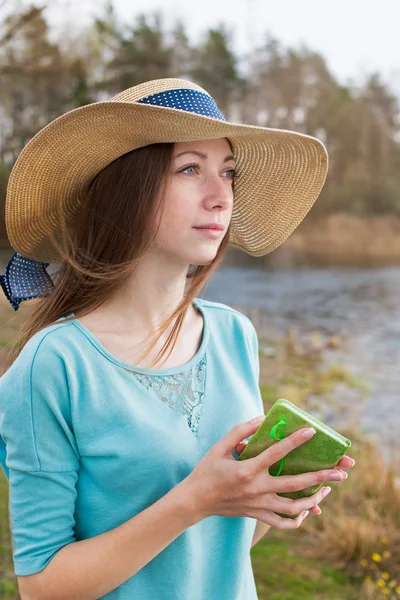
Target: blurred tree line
272,86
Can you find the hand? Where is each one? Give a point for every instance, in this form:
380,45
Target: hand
222,485
346,462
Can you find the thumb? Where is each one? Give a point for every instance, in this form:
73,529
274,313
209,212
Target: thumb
238,433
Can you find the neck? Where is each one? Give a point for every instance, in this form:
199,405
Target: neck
148,297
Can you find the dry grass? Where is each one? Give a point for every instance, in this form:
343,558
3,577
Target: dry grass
362,511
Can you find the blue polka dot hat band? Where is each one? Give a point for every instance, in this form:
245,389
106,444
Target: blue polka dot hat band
25,279
186,99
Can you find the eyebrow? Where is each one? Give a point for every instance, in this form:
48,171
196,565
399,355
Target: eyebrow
204,156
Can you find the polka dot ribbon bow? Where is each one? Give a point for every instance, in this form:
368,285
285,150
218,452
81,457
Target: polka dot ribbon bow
25,279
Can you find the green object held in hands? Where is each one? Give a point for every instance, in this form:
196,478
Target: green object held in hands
323,451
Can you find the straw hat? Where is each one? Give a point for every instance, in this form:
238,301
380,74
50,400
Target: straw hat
281,172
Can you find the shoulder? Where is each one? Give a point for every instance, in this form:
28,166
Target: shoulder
35,401
223,314
234,331
43,350
219,310
232,326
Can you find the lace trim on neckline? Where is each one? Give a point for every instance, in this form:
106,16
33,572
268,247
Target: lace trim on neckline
182,392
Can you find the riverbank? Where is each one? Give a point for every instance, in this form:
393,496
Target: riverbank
334,240
344,238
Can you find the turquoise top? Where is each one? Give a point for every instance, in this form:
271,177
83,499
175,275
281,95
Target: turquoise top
89,440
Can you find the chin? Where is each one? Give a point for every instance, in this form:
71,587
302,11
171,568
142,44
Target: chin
201,263
199,256
202,258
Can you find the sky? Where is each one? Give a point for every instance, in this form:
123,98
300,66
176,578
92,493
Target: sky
356,37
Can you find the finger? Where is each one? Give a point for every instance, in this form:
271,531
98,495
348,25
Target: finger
236,435
345,474
279,449
295,483
240,447
308,503
283,523
315,510
289,506
346,462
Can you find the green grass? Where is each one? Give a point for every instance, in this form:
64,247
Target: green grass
269,392
282,572
336,374
8,581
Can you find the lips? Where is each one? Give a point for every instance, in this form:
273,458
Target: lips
213,231
217,226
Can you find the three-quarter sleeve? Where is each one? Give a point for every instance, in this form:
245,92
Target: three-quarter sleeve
40,456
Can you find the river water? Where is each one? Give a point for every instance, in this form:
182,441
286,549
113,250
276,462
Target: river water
361,305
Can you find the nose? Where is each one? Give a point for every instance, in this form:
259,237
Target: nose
218,193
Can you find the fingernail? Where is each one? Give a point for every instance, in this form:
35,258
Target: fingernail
345,475
257,419
335,476
305,513
325,491
308,433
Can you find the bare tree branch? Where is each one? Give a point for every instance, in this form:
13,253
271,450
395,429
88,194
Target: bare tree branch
21,21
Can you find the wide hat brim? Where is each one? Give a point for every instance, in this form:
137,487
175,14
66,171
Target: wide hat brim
280,172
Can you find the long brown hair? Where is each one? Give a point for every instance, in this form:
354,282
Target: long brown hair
103,244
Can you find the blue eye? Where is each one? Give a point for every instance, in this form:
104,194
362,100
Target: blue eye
194,166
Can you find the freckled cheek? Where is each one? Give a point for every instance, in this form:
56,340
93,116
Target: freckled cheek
180,213
175,222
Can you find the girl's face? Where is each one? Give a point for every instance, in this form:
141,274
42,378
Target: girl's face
199,194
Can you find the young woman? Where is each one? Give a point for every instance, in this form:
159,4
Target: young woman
126,394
